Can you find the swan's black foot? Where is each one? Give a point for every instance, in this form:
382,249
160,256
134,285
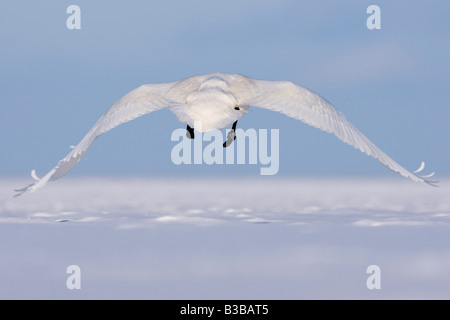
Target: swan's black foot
231,135
190,132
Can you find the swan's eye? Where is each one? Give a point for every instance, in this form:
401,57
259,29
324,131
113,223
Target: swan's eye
236,108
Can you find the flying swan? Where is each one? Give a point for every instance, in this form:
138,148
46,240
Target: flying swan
217,100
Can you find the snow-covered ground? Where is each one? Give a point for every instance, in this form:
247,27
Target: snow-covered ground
225,238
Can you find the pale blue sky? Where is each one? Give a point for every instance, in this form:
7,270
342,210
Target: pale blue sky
391,83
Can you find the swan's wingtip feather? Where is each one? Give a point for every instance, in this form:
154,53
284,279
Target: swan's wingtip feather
429,175
36,185
421,167
34,175
425,177
433,183
30,187
23,190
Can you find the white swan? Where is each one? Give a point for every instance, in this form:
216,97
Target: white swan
217,100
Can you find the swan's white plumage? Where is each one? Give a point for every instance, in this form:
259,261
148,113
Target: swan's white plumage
211,100
302,104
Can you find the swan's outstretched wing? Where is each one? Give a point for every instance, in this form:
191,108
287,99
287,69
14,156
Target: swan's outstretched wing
302,104
142,100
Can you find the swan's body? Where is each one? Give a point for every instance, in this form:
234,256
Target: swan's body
217,100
